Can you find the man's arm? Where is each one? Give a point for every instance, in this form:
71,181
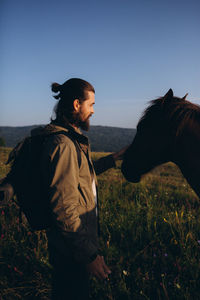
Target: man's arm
107,162
64,195
61,173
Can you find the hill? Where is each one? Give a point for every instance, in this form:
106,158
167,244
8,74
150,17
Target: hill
102,138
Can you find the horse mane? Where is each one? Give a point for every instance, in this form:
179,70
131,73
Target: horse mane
178,113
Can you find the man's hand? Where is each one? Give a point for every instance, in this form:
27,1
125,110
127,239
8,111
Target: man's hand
119,155
6,192
99,268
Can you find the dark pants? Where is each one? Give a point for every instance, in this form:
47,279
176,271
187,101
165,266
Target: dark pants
70,279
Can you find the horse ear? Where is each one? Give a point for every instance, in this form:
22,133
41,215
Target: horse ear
184,98
169,94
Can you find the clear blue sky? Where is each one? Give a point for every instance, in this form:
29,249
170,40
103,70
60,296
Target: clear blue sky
131,51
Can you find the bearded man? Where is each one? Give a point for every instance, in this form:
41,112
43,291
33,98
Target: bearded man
70,181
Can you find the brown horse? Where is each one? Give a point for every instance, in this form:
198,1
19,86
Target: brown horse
169,130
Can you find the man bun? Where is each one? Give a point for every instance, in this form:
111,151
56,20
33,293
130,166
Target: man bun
56,87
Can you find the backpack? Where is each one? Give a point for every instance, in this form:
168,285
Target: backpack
24,179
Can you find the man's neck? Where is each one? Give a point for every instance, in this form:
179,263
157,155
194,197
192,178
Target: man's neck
66,124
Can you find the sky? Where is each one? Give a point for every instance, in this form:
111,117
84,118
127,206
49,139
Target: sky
132,51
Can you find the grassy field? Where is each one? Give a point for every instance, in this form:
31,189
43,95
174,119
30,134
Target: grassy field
150,237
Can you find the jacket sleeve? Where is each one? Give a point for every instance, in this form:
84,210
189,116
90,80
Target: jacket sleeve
62,186
103,164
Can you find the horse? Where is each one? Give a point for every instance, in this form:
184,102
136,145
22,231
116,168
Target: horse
169,130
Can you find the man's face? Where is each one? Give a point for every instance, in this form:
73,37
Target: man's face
86,110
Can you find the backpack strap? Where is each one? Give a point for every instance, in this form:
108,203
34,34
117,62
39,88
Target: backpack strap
78,150
76,144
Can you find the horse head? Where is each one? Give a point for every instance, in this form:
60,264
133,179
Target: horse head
154,140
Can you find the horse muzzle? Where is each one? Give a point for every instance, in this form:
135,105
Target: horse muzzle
130,173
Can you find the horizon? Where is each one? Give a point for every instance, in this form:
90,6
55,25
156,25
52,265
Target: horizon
45,124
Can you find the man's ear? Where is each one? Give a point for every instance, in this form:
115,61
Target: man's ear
76,105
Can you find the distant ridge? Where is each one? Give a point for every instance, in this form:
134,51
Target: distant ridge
102,138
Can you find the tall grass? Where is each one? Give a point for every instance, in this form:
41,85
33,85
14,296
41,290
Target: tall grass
150,237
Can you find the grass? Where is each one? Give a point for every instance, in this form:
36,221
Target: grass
150,237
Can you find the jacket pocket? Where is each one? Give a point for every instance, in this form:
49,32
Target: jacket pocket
82,198
86,197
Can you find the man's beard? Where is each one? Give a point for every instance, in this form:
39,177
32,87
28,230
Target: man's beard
85,125
78,121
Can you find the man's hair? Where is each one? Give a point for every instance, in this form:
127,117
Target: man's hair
74,88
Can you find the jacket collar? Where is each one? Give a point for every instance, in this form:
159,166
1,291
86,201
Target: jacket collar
75,133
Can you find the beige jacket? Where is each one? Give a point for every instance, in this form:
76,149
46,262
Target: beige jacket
69,188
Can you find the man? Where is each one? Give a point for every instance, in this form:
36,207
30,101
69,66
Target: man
70,183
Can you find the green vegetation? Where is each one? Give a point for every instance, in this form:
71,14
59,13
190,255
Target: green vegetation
150,237
2,142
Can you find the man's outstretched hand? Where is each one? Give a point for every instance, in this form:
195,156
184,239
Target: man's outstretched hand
119,155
